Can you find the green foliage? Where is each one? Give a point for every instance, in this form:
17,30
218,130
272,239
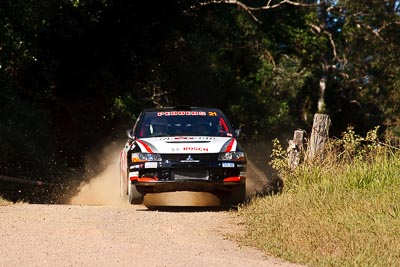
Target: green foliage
370,48
128,107
278,157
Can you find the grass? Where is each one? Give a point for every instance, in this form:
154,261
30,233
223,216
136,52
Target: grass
344,211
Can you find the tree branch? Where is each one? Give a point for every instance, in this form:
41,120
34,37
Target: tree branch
373,31
330,37
250,9
265,7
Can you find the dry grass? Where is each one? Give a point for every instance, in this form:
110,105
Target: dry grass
344,211
4,202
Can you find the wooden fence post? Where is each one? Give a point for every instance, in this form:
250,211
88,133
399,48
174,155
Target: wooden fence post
296,149
319,135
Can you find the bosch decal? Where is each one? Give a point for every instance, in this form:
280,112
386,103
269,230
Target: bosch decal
204,149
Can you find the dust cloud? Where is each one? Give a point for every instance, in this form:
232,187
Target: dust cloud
258,174
256,179
101,188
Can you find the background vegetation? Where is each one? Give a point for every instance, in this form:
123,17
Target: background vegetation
342,211
74,73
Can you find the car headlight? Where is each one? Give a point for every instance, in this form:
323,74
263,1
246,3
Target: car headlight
231,156
143,157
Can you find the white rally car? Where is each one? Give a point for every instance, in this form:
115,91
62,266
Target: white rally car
183,149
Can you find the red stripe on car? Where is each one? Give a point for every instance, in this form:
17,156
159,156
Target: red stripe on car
231,143
145,145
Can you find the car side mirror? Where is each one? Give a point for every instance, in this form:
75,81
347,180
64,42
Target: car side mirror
238,132
130,133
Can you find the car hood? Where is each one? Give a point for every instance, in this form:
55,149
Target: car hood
187,144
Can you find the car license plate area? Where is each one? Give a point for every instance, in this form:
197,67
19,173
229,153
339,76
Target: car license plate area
191,174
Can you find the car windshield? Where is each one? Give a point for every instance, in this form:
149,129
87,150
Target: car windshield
184,123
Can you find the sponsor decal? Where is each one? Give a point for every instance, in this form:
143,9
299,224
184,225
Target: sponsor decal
181,113
193,148
183,138
150,165
190,159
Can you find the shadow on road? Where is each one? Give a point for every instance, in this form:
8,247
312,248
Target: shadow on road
178,209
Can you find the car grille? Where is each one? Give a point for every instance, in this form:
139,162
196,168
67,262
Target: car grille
188,174
211,174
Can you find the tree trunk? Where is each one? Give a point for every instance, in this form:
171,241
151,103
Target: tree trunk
322,88
296,149
319,136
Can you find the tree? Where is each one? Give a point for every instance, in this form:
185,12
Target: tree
367,80
352,47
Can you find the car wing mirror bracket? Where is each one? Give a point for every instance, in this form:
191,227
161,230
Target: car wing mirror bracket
238,132
130,133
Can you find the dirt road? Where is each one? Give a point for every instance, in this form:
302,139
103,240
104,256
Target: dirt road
78,235
75,235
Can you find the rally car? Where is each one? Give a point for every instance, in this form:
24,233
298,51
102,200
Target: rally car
183,149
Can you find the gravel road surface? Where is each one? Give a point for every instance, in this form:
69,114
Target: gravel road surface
86,235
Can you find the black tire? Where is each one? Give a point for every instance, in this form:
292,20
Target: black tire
225,199
238,194
234,197
135,194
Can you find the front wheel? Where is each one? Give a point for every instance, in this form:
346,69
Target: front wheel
238,194
135,194
225,199
234,197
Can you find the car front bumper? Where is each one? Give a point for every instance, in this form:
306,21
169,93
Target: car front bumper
181,172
